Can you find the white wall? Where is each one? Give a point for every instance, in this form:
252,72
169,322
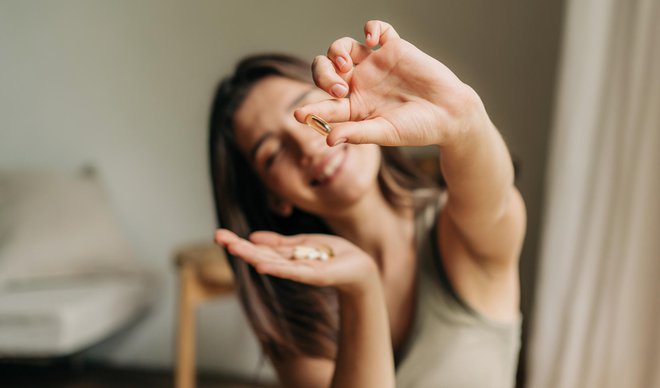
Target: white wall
126,85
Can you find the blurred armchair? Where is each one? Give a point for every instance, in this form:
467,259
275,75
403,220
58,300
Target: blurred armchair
68,276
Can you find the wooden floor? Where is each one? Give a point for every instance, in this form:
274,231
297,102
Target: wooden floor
67,376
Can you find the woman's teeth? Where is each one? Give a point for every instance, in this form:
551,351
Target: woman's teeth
330,168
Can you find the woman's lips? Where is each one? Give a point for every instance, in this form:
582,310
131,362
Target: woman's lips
329,167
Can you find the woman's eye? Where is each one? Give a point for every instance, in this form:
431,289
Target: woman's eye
272,156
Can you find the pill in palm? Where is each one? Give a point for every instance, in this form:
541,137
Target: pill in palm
302,252
322,253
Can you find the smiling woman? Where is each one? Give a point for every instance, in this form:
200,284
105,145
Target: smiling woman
244,205
422,286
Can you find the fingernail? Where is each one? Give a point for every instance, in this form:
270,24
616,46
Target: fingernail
339,141
338,90
368,36
341,62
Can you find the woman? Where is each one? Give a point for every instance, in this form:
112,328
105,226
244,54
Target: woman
422,288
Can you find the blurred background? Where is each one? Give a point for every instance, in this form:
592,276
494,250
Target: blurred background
122,90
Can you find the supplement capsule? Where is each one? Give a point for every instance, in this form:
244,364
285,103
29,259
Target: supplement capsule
322,253
301,252
319,125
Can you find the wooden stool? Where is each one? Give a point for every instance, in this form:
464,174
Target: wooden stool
204,273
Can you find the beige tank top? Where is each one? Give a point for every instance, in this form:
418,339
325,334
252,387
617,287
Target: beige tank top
451,345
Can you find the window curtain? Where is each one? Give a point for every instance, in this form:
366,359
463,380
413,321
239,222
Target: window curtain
596,321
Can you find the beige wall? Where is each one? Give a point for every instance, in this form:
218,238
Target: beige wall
126,85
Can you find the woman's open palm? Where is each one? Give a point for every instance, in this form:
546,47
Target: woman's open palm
271,253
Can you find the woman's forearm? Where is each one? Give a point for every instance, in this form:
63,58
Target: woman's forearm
364,357
478,169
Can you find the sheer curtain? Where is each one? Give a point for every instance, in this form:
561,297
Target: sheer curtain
597,316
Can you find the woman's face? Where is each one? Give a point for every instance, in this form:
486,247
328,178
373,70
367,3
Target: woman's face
292,160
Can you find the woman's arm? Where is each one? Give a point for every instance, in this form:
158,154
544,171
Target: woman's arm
397,95
483,223
484,206
364,357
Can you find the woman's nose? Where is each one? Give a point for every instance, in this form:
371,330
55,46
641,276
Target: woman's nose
311,144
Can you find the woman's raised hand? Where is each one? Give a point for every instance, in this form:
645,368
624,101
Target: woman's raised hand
395,95
350,269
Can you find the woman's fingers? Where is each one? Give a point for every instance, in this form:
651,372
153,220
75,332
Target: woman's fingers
275,239
225,237
333,111
251,253
254,254
276,262
264,237
375,131
299,272
284,245
338,112
332,71
326,77
347,52
272,254
274,257
379,32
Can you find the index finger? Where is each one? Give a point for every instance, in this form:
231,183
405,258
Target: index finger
275,239
333,110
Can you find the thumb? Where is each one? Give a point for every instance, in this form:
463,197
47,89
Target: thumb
373,131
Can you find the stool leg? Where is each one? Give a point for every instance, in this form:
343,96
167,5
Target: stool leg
185,363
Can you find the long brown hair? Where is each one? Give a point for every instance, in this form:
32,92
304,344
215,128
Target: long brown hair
289,318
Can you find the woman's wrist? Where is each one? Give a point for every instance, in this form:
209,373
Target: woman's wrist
470,118
367,283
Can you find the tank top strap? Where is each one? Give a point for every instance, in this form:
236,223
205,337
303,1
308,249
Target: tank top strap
428,203
448,338
435,286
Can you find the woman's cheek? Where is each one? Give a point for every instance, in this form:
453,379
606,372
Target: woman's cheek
285,180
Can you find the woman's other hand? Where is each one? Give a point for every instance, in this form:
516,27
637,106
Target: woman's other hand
350,269
395,95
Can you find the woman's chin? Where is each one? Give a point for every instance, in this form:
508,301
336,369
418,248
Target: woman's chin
355,178
346,189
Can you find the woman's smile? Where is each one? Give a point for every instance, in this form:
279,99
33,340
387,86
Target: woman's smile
325,171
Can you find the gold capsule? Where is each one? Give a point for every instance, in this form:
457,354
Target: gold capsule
319,125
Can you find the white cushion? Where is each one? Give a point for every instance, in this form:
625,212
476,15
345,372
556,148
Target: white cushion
57,226
68,316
